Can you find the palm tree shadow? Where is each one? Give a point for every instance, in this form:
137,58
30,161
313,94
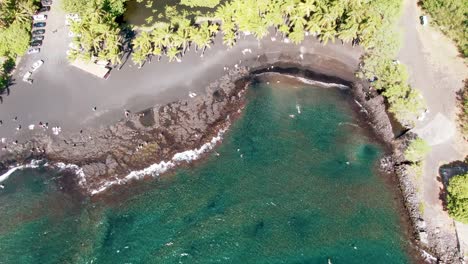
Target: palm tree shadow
128,36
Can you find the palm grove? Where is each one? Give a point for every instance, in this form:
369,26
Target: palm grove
15,25
368,23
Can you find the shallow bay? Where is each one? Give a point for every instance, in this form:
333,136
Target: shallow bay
294,181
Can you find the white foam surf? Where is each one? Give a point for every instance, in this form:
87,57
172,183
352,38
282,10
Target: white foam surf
73,167
163,166
33,164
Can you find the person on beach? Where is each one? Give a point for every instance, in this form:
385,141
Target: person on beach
94,108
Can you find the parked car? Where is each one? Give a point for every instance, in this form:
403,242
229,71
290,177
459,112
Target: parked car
39,24
34,50
103,62
27,77
38,32
36,43
40,37
42,10
40,17
46,2
423,20
36,65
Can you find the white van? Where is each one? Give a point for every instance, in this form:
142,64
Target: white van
40,17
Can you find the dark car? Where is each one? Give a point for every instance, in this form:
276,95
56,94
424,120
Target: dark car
40,37
38,32
43,9
46,2
36,43
39,24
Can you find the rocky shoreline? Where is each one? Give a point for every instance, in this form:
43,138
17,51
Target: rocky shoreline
156,140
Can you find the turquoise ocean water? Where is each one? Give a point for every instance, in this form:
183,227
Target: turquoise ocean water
284,189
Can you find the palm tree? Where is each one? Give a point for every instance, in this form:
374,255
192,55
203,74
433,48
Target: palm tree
172,53
229,38
327,34
274,16
289,6
139,57
259,28
183,33
24,11
348,33
297,35
213,29
297,19
313,27
143,46
201,37
157,51
308,6
284,29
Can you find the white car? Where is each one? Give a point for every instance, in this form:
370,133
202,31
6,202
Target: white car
33,50
71,34
40,17
27,77
102,62
36,65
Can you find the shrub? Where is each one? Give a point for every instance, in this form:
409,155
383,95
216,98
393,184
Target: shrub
14,40
457,198
200,3
416,150
463,114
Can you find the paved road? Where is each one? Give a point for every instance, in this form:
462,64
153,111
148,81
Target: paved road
436,70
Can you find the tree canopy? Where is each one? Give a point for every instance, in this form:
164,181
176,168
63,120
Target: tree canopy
15,26
97,34
452,18
200,3
370,24
416,150
457,198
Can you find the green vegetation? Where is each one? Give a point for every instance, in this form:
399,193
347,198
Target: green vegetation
452,18
421,207
371,24
15,26
463,114
6,66
390,77
97,34
417,149
415,153
15,34
200,3
457,198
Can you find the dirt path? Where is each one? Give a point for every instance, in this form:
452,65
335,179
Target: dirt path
437,71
